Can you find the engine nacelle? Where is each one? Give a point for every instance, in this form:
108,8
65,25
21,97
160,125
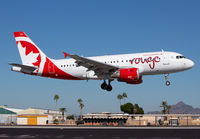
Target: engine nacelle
130,76
139,81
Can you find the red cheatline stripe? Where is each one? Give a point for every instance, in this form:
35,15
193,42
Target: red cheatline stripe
20,34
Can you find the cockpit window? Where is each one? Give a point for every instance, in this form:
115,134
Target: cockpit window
179,57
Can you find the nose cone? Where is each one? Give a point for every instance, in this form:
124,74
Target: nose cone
190,64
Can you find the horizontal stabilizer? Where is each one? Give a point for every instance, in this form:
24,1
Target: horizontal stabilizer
22,68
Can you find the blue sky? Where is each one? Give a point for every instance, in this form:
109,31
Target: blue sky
91,28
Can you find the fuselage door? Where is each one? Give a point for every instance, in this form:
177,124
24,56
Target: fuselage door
165,60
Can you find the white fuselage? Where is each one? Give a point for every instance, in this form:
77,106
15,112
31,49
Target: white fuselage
151,63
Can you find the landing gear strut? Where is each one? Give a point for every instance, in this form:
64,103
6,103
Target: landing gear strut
106,86
166,79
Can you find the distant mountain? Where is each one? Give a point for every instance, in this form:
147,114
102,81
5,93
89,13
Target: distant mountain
180,108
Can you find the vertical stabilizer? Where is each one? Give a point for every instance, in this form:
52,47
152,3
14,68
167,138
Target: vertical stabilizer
30,54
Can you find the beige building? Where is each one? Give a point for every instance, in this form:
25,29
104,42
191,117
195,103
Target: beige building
33,117
165,120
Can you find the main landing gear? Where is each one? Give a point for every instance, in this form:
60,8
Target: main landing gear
166,79
106,86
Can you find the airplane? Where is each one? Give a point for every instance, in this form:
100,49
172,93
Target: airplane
127,68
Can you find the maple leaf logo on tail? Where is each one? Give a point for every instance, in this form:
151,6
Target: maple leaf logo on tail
30,54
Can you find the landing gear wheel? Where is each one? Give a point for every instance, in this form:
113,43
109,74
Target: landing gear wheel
104,85
109,88
166,79
168,83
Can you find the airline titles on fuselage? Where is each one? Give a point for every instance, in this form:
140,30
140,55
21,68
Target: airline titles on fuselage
151,60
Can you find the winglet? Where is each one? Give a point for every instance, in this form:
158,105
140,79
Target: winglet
65,54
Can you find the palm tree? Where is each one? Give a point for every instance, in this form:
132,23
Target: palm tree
120,97
168,109
56,98
81,105
164,106
124,95
63,110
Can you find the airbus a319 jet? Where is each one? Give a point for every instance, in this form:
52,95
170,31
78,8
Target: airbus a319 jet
127,68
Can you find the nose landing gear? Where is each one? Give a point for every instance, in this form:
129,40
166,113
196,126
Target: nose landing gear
106,86
167,83
166,79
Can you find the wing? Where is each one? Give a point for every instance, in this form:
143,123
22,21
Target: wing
101,69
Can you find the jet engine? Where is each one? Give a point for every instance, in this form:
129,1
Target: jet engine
129,75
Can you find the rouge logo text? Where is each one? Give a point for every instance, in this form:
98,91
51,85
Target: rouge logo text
151,60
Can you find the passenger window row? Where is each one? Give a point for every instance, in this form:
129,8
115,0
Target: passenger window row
75,65
71,65
117,61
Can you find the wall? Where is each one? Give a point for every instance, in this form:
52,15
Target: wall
22,121
7,119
